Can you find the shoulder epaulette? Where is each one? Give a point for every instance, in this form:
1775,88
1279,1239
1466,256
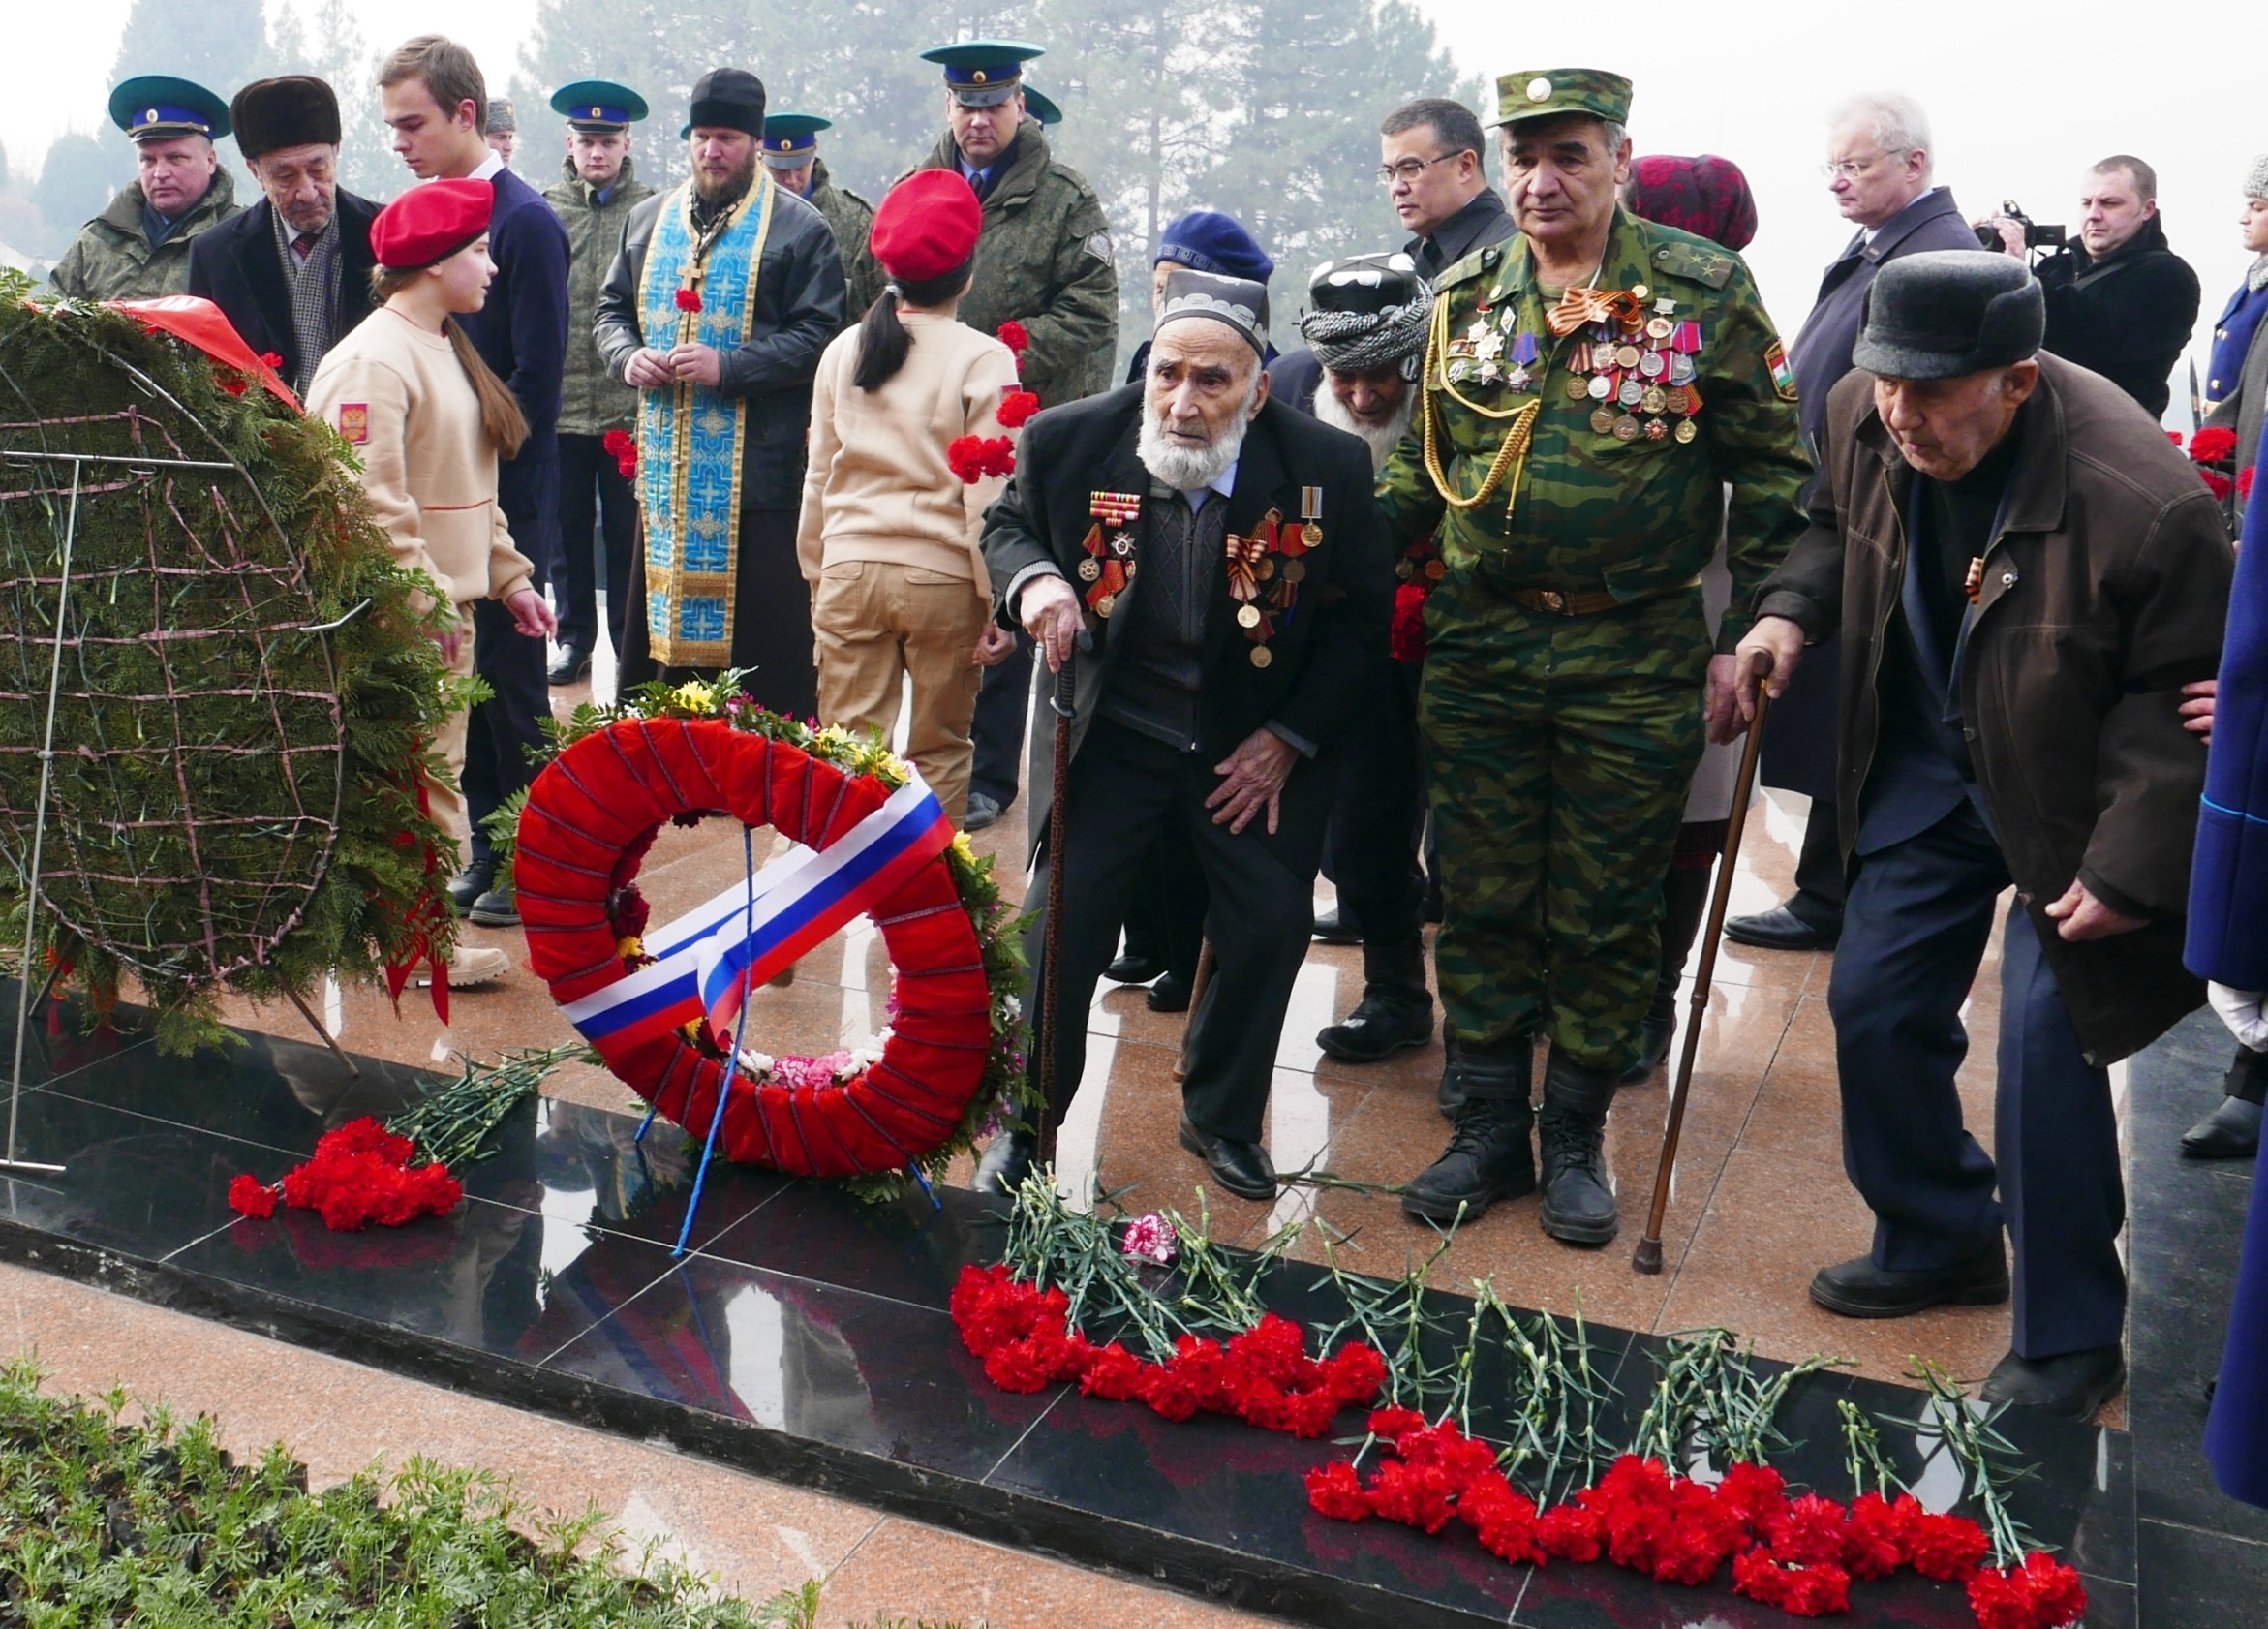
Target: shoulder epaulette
1695,261
1478,264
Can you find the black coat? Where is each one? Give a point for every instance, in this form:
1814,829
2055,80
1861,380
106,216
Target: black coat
2127,316
798,309
1324,655
235,265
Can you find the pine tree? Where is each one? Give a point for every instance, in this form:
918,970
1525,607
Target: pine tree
211,42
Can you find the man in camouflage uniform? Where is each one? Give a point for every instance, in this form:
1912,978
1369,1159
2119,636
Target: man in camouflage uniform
597,190
1591,388
1043,261
138,249
791,152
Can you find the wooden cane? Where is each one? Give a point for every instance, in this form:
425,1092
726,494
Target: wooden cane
1197,986
1649,1256
1064,702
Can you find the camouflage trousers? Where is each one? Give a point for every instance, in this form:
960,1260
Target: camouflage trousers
1561,748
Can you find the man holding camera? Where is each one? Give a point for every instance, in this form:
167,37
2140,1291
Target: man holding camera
2120,302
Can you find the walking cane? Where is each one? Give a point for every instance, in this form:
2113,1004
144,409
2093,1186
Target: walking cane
1649,1256
1064,703
1196,994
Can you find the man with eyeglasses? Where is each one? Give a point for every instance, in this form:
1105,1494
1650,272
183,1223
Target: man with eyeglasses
1429,153
1879,171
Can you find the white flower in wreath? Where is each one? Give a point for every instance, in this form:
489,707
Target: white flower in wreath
759,1064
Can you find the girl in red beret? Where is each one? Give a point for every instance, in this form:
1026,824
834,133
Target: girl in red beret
427,420
913,427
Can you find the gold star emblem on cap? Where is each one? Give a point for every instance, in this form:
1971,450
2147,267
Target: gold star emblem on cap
595,113
1539,88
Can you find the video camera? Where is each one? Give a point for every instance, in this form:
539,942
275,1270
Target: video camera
2035,235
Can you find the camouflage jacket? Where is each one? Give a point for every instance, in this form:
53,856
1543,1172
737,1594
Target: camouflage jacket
1622,489
111,259
852,217
1045,262
592,401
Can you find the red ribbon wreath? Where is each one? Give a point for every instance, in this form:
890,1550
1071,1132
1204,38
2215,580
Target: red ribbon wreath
591,815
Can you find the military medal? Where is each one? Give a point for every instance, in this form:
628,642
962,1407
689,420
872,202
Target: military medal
1577,388
1657,429
1686,430
1262,656
1601,423
1090,569
1114,509
1653,364
1600,388
1659,329
1973,585
1248,616
1311,515
1655,400
1625,429
1632,393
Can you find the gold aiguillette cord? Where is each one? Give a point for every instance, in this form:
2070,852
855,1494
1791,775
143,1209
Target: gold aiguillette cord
1511,453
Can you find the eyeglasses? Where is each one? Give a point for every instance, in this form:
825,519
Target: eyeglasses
1410,169
1850,170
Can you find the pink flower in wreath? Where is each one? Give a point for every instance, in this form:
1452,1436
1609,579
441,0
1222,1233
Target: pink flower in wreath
1149,1238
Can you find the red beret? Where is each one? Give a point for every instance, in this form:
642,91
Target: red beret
927,225
428,223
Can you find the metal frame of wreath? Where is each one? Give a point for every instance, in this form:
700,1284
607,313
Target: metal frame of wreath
237,935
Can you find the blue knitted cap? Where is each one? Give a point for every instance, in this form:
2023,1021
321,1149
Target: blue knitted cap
1206,240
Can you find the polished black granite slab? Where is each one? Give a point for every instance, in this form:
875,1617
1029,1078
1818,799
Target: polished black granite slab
805,1338
2202,1556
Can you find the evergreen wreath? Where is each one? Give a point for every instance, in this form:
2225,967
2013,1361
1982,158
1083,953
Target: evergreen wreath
248,681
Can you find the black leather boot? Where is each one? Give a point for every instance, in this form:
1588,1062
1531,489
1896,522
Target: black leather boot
1685,898
1488,1156
1395,1011
1007,1160
1578,1205
1451,1094
2232,1130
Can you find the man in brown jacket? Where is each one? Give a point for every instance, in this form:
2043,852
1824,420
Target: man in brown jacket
2025,572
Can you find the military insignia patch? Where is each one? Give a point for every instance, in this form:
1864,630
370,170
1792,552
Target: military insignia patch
355,421
1783,376
1098,244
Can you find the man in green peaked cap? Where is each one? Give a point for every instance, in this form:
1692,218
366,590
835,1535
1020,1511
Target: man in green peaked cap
138,249
1592,387
791,152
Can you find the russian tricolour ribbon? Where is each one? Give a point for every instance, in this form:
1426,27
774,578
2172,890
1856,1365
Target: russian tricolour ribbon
763,924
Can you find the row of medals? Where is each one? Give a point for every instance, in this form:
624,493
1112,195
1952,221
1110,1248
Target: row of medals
1628,380
1295,572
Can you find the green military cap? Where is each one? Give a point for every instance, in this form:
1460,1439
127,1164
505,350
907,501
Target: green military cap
151,107
1041,108
599,105
791,141
983,73
1540,94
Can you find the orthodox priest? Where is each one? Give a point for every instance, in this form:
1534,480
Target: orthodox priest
726,291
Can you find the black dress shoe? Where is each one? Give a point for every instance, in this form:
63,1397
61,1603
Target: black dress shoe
1007,1160
982,812
497,908
1335,927
1131,968
2232,1132
1242,1168
1379,1026
1858,1289
469,885
2075,1385
1780,929
1169,993
573,664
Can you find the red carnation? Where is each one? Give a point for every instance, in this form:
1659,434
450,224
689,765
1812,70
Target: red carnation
1170,1391
1945,1547
1810,1591
623,447
1405,636
1336,1492
1354,1372
1015,409
2040,1594
2216,483
2244,481
1415,1495
974,457
689,300
272,360
1811,1531
1755,1495
232,383
1502,1519
2213,444
1874,1541
1015,336
1570,1533
360,1174
1113,1373
250,1196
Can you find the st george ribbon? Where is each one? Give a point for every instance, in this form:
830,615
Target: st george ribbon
762,925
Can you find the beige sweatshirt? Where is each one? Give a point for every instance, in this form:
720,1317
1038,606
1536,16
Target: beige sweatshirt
400,397
878,486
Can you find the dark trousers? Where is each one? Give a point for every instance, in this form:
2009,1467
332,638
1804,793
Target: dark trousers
1378,816
505,729
1003,709
1165,918
1124,788
1820,885
1914,933
771,622
593,495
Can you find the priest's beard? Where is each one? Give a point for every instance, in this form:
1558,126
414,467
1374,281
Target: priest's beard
1186,469
723,194
1380,438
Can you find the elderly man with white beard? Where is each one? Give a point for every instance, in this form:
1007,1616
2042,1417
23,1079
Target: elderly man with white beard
1225,555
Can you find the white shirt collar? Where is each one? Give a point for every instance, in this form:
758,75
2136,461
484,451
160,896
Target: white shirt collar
486,170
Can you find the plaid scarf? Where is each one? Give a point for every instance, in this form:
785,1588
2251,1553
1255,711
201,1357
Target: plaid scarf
314,285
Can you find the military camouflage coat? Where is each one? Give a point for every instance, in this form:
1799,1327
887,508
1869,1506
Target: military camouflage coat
1045,262
852,217
592,401
111,259
1623,487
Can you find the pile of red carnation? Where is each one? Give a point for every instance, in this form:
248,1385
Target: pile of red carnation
1263,1377
358,1175
623,447
974,457
1798,1554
